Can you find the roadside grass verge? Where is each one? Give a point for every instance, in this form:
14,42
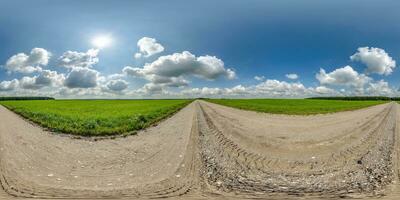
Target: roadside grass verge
96,117
295,106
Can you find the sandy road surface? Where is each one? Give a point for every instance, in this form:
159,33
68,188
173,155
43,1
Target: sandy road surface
210,151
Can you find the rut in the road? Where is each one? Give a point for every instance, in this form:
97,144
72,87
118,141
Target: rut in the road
364,165
207,150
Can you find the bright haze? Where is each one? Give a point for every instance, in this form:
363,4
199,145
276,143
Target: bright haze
178,49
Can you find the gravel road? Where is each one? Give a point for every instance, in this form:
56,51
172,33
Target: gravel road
209,151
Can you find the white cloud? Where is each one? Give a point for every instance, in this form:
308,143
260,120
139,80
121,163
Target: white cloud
376,60
94,92
117,85
137,55
203,92
170,75
28,63
115,76
325,90
259,78
71,59
46,78
148,47
276,88
80,77
172,70
268,88
29,83
292,76
345,76
133,71
237,90
9,85
151,89
50,78
380,88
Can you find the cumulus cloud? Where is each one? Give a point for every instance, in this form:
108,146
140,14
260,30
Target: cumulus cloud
133,71
276,88
29,83
117,85
325,90
151,88
9,85
345,76
203,92
71,59
44,79
24,63
292,76
170,75
148,47
172,70
237,90
94,92
376,60
259,78
268,88
380,88
280,88
50,78
81,77
115,76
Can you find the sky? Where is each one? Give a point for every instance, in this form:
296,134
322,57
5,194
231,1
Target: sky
179,49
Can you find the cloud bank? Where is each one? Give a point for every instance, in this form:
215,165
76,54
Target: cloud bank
74,74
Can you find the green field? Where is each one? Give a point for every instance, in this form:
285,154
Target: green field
95,117
295,106
116,117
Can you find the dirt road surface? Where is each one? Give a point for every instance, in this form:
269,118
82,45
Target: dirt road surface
209,151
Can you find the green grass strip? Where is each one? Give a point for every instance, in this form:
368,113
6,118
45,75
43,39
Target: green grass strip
96,117
295,106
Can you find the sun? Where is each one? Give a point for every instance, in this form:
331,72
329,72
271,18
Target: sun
102,41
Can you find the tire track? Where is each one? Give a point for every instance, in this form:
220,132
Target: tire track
208,151
239,173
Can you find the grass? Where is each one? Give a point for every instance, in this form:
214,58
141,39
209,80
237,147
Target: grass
295,106
95,117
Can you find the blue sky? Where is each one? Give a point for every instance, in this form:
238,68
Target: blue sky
253,38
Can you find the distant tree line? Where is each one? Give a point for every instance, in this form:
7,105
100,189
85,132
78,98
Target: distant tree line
359,98
25,98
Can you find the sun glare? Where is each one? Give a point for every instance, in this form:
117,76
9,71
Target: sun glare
102,41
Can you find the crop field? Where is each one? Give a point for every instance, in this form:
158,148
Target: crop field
95,117
295,106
